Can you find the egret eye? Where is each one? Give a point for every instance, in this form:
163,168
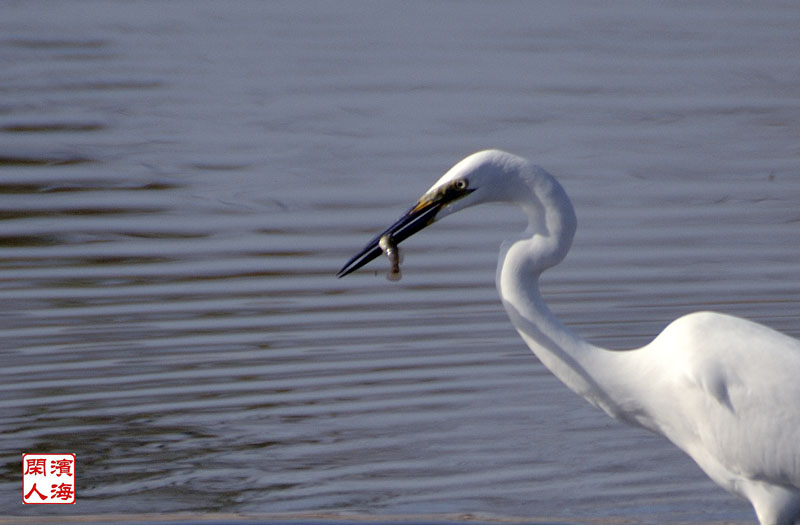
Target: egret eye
460,184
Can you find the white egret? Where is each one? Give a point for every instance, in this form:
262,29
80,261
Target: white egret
724,390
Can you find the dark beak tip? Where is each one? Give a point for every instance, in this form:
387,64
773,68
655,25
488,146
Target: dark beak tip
413,221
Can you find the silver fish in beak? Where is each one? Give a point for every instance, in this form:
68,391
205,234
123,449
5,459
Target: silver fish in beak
422,214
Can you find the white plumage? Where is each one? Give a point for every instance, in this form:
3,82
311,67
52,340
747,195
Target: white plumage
723,389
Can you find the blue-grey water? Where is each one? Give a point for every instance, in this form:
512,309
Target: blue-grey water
180,182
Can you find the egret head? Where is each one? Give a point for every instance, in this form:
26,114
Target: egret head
486,176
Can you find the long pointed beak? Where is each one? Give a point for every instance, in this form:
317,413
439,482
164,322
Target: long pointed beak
410,223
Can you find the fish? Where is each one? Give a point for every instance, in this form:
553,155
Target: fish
392,252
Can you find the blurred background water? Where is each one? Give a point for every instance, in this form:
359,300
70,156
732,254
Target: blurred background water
180,181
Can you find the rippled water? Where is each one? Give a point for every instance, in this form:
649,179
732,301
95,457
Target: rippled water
179,183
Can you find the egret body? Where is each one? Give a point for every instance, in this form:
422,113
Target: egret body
723,389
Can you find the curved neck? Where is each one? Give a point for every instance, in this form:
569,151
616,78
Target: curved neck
586,369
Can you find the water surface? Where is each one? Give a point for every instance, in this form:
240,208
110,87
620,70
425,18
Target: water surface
180,182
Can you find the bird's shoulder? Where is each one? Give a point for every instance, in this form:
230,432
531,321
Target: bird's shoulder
726,337
731,386
723,354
